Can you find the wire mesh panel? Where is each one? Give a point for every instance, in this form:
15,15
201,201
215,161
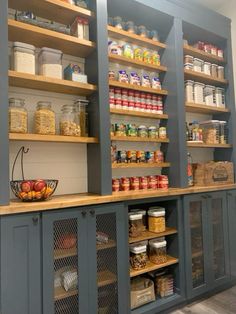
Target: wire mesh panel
66,267
107,264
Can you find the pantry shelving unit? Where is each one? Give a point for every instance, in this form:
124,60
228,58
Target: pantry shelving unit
147,235
203,145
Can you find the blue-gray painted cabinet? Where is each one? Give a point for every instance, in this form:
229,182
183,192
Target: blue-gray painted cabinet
85,261
20,264
206,242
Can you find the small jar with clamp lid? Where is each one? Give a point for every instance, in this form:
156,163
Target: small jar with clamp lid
18,116
44,118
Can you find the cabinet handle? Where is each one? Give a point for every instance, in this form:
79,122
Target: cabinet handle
35,220
84,213
92,212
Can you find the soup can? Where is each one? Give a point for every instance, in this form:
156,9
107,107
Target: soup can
163,182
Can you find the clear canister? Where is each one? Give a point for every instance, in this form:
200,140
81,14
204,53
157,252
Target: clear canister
189,92
207,68
144,217
223,132
18,116
23,57
211,131
157,251
81,109
156,219
220,97
188,59
44,118
50,63
138,255
135,225
198,65
221,72
199,93
214,70
69,123
209,95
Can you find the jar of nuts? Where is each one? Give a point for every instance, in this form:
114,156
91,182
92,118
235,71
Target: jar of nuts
44,119
138,255
135,225
69,122
157,251
18,116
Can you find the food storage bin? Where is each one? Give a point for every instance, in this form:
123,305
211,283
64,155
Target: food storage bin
142,292
223,132
211,131
214,70
144,216
207,68
189,92
220,97
135,225
50,63
138,255
69,123
209,92
23,57
142,131
117,22
188,59
81,109
221,72
198,65
198,90
188,66
157,251
44,118
18,116
156,219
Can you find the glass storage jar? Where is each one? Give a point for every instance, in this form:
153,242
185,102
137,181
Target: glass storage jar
44,119
138,255
23,57
81,110
135,225
211,131
18,116
156,219
69,123
157,251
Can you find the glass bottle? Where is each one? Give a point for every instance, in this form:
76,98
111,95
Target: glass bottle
44,119
18,116
82,114
69,122
187,132
190,170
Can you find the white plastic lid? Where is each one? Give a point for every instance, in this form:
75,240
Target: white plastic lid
207,63
198,83
138,211
157,244
209,122
189,82
138,248
156,211
198,60
23,45
135,216
56,51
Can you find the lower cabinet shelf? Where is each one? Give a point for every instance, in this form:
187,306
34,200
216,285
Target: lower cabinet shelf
60,293
147,235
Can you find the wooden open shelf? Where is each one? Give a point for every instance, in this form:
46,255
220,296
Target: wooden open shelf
204,78
136,64
140,165
60,293
138,139
197,53
51,138
138,88
54,10
199,108
48,84
151,266
147,235
41,37
134,39
203,145
139,114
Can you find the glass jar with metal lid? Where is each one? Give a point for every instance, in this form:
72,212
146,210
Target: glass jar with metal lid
44,118
69,123
18,116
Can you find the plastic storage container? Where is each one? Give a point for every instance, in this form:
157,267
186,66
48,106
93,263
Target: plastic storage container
135,225
214,70
81,109
18,116
199,93
156,219
188,59
50,63
138,255
144,217
223,132
198,65
23,57
157,251
44,119
69,124
209,92
189,91
221,72
207,68
142,292
220,97
211,131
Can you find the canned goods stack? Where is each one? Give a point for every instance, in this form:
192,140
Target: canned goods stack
136,156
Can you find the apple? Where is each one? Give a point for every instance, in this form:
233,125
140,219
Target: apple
27,186
39,185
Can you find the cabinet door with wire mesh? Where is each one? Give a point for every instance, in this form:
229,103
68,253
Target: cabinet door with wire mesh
64,249
107,234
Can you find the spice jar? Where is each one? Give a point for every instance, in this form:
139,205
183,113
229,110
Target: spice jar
138,255
18,116
44,118
135,225
69,124
23,57
157,251
81,109
156,219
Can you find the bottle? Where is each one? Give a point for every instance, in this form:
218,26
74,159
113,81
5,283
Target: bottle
195,131
190,170
187,132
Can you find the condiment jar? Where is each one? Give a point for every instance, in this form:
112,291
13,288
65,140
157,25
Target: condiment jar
44,118
154,35
69,124
18,116
138,255
156,219
157,251
135,225
81,109
152,132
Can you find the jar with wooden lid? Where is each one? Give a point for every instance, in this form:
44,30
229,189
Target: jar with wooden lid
135,225
138,255
18,116
157,251
45,119
69,122
156,219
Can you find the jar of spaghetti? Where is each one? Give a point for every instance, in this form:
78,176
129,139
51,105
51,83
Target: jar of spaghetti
156,219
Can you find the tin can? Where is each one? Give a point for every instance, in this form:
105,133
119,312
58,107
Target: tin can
143,183
121,156
162,133
158,156
131,156
117,92
112,103
131,105
134,183
163,182
111,93
124,94
118,103
125,184
115,185
137,106
125,104
132,130
143,106
130,95
152,182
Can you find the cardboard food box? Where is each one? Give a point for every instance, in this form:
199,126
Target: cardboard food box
213,173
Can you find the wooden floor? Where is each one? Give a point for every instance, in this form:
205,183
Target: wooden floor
222,303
